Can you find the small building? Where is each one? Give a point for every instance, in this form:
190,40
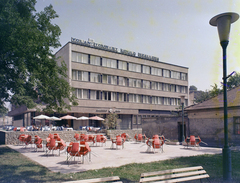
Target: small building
206,119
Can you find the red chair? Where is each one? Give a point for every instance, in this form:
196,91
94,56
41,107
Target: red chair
140,138
55,136
21,138
52,146
192,140
103,139
38,143
69,148
135,136
125,136
21,129
119,142
51,136
61,146
77,136
84,151
28,140
98,139
15,129
156,144
82,137
74,150
113,142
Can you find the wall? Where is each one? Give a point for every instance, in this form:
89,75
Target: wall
167,126
131,133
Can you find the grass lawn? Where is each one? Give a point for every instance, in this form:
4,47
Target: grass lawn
14,167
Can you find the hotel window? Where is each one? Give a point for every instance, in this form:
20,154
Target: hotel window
139,119
78,93
166,101
134,83
159,86
175,75
122,81
183,76
236,125
183,89
134,119
174,101
95,95
134,67
106,95
146,69
157,100
80,57
166,87
122,65
146,99
106,62
113,96
94,60
178,88
95,77
121,97
166,73
112,80
173,88
146,84
79,75
154,85
85,94
104,78
156,71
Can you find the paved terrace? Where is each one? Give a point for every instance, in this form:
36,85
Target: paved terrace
104,156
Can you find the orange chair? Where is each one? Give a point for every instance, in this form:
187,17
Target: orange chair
15,129
51,136
119,142
156,144
28,140
82,137
140,138
84,151
52,146
55,136
74,150
61,146
192,140
21,138
103,139
125,136
135,136
77,136
38,143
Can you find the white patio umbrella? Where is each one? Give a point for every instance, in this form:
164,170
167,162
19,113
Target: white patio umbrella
83,118
42,117
68,117
53,118
96,118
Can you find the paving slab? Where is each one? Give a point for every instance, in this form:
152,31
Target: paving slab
104,156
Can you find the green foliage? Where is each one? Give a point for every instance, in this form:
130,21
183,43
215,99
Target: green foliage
111,121
28,70
233,81
192,88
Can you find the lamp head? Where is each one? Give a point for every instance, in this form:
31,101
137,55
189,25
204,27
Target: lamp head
182,98
223,22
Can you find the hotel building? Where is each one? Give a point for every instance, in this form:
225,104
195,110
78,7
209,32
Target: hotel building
133,85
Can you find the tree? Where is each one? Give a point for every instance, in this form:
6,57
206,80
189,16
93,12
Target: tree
215,91
233,81
28,68
111,121
192,88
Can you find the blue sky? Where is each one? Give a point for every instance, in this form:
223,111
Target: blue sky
176,31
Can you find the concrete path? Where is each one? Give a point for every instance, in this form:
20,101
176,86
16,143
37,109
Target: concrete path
106,157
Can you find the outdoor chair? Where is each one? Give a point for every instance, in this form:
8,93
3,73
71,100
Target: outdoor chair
156,144
103,139
28,140
82,137
21,138
77,136
56,136
119,142
38,143
73,152
113,142
52,146
61,146
98,139
69,148
140,138
125,136
84,151
51,136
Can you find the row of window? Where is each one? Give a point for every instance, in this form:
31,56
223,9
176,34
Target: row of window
124,97
117,64
124,81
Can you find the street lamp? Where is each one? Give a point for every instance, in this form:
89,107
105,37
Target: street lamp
223,22
182,101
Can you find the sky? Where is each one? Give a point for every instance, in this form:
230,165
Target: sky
176,31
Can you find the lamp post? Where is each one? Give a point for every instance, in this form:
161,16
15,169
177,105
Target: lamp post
223,22
182,101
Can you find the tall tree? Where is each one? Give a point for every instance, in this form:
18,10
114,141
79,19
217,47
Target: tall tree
234,80
192,88
28,68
